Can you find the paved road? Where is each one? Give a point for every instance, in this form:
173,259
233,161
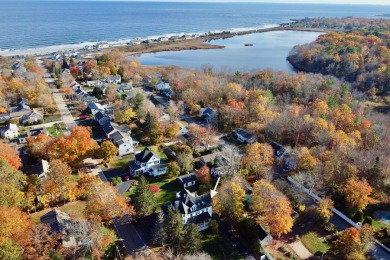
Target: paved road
124,187
132,241
66,116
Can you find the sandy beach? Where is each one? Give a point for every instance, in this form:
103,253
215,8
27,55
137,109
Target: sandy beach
190,44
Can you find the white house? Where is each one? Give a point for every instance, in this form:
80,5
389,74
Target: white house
183,130
163,85
114,79
125,145
147,162
192,208
10,131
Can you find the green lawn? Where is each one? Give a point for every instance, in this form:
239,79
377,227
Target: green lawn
218,246
314,243
121,163
54,132
74,209
168,189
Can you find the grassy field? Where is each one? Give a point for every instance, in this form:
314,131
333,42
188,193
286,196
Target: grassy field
121,163
218,247
74,209
314,243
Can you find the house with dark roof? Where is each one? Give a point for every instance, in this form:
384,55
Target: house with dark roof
279,150
147,162
264,237
125,87
244,136
10,131
193,209
19,110
63,224
125,145
217,164
41,168
31,118
108,129
207,114
101,118
167,93
188,180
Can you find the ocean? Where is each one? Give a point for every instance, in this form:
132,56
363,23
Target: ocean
39,24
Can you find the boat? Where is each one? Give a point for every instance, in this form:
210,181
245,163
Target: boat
248,44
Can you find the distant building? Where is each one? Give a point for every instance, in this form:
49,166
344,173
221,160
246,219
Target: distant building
124,145
163,85
193,209
125,87
207,114
10,131
31,118
244,136
279,150
19,109
114,79
147,162
188,179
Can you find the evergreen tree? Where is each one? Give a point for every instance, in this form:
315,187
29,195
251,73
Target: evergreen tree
144,201
158,231
139,98
192,242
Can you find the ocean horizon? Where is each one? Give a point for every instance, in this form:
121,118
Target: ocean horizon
50,25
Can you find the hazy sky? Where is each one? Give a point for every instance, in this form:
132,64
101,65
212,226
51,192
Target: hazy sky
371,2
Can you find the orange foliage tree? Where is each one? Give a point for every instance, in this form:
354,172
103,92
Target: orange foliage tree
75,147
10,155
357,194
204,174
39,146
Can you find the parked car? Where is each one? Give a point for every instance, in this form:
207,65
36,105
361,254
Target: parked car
84,117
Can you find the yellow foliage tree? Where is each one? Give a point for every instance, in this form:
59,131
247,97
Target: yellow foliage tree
357,194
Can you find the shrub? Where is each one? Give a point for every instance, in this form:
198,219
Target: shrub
213,225
154,188
116,181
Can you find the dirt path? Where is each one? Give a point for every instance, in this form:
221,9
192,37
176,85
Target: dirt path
300,250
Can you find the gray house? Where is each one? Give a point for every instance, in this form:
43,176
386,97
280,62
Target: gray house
31,118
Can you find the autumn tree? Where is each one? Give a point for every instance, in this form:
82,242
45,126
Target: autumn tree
42,242
15,230
74,148
173,169
204,174
59,179
230,198
144,201
107,151
125,116
39,146
184,157
196,135
258,158
105,202
274,205
357,194
12,185
324,209
353,243
10,154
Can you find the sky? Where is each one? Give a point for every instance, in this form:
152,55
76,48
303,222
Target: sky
369,2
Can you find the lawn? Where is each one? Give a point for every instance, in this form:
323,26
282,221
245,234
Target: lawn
121,163
54,132
218,247
314,243
168,189
74,209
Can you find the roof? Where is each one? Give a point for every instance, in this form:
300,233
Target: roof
278,148
244,133
107,127
37,131
116,138
145,155
57,220
261,233
207,111
126,86
188,177
186,200
95,107
12,127
41,167
20,107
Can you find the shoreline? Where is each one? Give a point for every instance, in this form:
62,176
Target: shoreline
201,43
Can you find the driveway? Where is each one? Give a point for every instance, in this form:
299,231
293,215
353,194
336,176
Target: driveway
124,187
129,236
